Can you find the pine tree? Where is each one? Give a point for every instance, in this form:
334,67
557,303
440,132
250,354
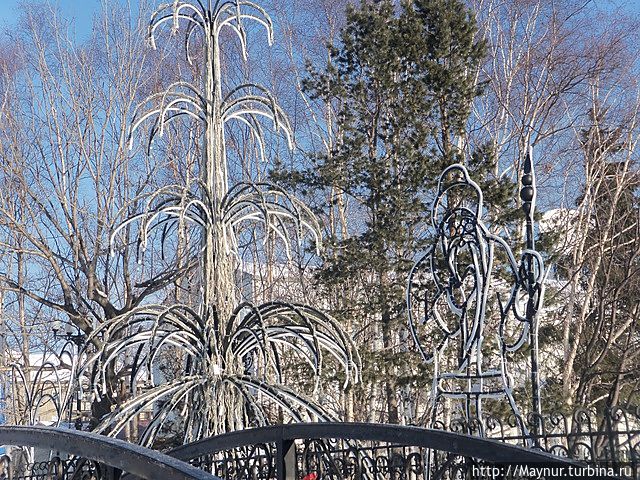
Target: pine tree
403,81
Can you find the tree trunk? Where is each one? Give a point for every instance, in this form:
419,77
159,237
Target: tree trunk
389,370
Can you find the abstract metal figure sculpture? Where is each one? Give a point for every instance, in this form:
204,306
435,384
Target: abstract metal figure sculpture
232,351
465,297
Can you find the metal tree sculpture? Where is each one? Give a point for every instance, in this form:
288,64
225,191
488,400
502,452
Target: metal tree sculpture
455,298
232,366
44,390
48,387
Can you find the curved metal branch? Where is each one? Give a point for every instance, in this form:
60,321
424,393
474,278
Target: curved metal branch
179,98
171,208
233,10
271,205
160,16
236,107
259,333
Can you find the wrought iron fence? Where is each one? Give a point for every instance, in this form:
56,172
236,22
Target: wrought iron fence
74,455
332,451
335,459
609,444
608,439
56,467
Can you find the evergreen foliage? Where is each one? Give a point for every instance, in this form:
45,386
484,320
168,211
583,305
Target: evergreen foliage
401,82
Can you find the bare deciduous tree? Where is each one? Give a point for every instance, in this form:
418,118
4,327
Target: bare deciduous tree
66,170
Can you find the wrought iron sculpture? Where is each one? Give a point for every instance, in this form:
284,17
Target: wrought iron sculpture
43,391
471,303
47,386
233,350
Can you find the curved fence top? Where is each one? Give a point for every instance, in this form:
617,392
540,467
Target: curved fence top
131,458
465,445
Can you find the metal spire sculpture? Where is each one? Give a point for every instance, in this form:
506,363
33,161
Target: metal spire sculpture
470,300
532,273
232,370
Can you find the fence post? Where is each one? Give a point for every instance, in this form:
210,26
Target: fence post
112,473
55,469
5,463
285,459
609,432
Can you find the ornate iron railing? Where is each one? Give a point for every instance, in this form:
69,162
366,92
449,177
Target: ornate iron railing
335,451
54,468
78,455
609,439
608,445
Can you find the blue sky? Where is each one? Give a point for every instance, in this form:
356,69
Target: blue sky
80,11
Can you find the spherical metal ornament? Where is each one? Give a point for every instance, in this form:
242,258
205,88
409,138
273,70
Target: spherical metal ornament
526,194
